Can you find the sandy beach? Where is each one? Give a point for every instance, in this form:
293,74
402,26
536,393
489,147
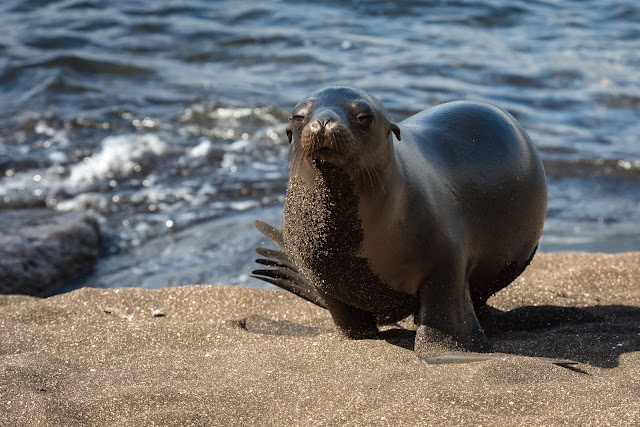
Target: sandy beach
567,339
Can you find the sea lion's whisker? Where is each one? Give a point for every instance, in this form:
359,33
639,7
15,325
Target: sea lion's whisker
379,179
368,170
336,136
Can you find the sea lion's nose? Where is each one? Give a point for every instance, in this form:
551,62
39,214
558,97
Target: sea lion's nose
320,123
323,120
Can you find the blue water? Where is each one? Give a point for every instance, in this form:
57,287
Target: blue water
165,119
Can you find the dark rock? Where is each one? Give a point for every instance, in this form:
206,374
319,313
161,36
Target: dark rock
40,248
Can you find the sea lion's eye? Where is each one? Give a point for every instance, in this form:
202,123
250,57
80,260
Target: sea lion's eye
365,120
297,120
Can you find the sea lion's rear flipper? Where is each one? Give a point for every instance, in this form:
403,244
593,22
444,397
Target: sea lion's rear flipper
283,272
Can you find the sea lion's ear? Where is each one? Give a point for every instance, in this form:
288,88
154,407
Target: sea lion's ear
396,130
289,132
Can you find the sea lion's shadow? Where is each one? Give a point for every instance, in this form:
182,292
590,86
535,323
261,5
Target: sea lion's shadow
596,335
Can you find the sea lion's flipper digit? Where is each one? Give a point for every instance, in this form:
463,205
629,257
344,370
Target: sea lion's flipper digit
274,258
292,277
290,281
271,232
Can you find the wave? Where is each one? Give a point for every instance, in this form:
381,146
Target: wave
82,64
582,168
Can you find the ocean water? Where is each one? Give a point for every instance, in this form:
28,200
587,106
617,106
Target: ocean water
165,119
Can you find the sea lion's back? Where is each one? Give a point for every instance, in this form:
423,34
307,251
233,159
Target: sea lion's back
476,134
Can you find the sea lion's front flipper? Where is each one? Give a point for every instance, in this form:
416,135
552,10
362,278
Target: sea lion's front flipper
289,280
283,272
271,232
447,321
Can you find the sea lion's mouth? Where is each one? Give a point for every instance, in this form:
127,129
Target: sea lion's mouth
324,153
323,150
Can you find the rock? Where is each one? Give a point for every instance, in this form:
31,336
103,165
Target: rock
41,248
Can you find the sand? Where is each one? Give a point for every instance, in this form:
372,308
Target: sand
220,355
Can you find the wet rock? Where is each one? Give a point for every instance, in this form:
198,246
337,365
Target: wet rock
41,248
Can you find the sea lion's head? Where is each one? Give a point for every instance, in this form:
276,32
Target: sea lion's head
344,126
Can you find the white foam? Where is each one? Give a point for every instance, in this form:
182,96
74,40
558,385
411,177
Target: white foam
116,158
243,205
86,202
58,157
42,128
240,145
57,137
201,150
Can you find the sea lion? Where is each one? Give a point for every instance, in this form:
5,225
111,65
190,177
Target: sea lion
430,216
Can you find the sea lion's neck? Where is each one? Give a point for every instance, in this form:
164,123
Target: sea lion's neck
321,216
324,234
